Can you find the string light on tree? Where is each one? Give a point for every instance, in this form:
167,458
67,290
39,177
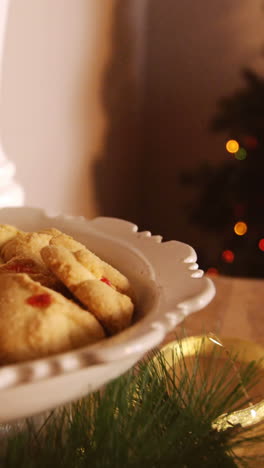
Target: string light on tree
212,271
228,205
261,244
250,142
241,154
228,256
240,228
232,146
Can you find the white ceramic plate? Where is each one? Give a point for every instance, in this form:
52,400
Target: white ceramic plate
168,285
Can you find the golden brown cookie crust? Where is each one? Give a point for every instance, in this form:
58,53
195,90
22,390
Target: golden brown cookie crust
7,232
66,241
33,269
113,309
26,244
94,264
31,330
101,269
64,265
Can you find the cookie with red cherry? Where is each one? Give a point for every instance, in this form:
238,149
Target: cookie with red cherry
112,308
37,322
99,268
34,270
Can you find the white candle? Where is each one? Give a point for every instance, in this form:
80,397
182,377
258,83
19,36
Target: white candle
11,193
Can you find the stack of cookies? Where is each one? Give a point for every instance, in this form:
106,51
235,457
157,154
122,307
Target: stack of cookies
56,295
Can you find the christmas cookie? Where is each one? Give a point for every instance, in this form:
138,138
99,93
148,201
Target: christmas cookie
26,244
66,241
7,233
37,322
100,269
103,271
34,270
50,231
112,308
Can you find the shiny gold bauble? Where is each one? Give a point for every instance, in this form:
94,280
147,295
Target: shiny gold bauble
244,352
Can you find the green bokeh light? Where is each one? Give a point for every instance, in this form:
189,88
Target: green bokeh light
241,154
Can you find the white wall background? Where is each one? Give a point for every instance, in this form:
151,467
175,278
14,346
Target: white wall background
51,117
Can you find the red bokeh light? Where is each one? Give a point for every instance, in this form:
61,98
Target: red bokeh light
250,142
261,244
212,271
228,256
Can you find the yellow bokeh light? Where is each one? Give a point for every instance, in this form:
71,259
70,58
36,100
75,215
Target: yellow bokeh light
232,146
240,228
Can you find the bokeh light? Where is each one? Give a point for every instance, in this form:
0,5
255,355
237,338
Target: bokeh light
232,146
241,154
261,244
240,228
228,256
250,142
212,271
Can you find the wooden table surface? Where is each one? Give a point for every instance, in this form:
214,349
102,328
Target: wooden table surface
237,310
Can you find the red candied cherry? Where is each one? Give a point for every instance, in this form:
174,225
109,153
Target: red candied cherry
40,300
106,281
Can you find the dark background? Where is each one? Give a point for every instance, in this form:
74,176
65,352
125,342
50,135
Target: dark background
160,125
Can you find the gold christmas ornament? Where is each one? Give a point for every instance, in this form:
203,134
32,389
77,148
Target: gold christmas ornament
244,351
245,418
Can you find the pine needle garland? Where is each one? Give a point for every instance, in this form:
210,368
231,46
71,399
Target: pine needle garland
154,416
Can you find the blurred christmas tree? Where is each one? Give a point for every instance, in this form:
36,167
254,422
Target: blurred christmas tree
231,201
